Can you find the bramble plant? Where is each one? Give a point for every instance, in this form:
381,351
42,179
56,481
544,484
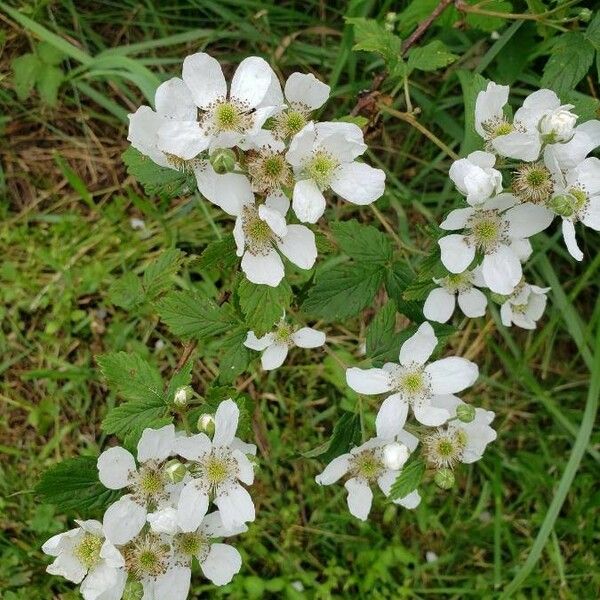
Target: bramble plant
165,505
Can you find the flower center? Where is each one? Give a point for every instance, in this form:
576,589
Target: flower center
259,236
227,115
320,168
215,470
458,282
87,551
412,382
269,172
289,122
368,464
192,544
533,183
444,448
495,127
148,556
283,333
149,483
487,229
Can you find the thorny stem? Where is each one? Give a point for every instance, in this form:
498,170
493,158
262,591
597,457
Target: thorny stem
462,6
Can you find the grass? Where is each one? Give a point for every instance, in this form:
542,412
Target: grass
66,236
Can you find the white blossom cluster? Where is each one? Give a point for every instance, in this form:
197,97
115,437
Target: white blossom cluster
150,538
449,430
547,173
253,148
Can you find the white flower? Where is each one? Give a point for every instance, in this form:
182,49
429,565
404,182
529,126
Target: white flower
83,555
217,467
440,303
148,483
274,346
366,465
577,198
475,178
219,562
413,382
492,228
558,125
525,306
585,138
490,121
323,156
260,231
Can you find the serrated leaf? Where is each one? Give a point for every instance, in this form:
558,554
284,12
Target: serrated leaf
73,486
408,480
382,340
346,435
363,243
49,54
159,273
472,84
127,291
156,180
398,278
48,82
263,305
572,56
25,70
430,57
592,32
343,291
235,356
181,378
190,315
219,255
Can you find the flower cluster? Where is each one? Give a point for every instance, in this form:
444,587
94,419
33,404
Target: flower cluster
254,150
147,541
535,167
449,430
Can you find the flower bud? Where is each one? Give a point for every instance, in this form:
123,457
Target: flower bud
133,590
175,471
395,455
498,298
558,125
223,160
206,424
182,395
585,14
444,478
465,413
562,205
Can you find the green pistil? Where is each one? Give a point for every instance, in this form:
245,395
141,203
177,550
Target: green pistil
455,282
503,128
191,544
227,117
412,383
216,469
151,482
320,169
87,551
292,122
367,465
259,231
283,333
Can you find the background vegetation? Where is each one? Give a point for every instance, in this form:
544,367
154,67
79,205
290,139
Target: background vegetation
74,222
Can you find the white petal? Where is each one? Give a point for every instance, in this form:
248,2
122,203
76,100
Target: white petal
368,381
278,201
391,416
192,506
308,201
123,520
410,501
569,155
235,505
174,584
173,99
472,302
203,76
522,249
164,520
418,347
344,141
56,543
568,231
439,305
212,525
143,133
457,255
358,183
259,344
451,375
68,566
502,270
221,564
307,337
264,269
251,81
237,444
489,105
302,145
299,246
520,145
104,583
156,444
591,217
115,467
274,356
230,191
360,498
336,469
226,422
448,402
245,468
307,90
457,219
239,237
501,202
429,415
527,219
274,219
184,139
192,447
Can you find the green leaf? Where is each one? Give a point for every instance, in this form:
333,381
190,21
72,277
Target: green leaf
363,243
472,84
235,357
346,435
486,22
156,180
25,73
190,315
73,486
127,291
217,393
343,291
397,280
430,57
408,480
159,273
592,33
383,343
48,81
263,305
181,378
49,54
356,119
219,255
572,55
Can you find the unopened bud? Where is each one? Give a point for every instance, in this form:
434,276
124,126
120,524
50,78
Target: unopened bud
223,160
498,298
444,478
395,455
182,395
465,413
133,590
175,471
206,424
585,14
